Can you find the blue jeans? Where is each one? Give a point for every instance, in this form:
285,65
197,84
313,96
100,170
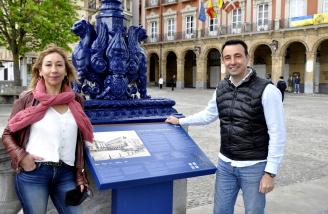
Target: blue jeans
33,189
229,180
297,88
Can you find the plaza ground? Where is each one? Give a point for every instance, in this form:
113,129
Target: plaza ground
301,185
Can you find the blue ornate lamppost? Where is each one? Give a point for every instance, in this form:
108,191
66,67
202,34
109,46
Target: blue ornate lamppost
112,69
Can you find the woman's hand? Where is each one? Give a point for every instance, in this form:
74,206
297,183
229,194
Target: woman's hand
172,120
28,162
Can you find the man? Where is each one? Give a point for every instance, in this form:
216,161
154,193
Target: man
252,132
281,85
160,82
297,84
173,81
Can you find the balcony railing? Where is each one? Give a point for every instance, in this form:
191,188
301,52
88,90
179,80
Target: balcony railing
167,2
226,30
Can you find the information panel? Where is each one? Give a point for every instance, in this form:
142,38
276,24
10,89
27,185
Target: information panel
126,155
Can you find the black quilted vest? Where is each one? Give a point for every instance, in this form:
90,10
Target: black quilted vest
244,133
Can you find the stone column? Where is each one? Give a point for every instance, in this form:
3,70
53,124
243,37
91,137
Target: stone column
163,68
135,13
180,72
201,73
309,72
223,71
142,15
277,67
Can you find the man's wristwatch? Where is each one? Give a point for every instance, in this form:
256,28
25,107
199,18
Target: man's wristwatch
271,174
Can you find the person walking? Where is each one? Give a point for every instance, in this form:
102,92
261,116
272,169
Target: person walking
281,85
252,132
297,84
173,82
160,82
46,134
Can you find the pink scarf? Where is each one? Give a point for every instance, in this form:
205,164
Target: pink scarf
33,114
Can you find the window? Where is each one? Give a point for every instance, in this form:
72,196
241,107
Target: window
153,2
5,74
189,26
153,31
236,21
325,6
170,28
262,17
213,26
297,8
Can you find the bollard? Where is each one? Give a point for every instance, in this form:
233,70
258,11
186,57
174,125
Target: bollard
9,202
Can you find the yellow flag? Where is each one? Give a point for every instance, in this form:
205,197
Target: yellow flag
220,3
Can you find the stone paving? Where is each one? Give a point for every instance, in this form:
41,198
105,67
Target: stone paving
306,151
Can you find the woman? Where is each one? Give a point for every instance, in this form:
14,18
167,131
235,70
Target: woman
45,136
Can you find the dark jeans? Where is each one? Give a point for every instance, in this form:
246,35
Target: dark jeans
33,189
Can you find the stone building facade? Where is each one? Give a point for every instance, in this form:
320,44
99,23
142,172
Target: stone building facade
179,44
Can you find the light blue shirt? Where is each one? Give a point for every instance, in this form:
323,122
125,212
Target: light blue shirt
274,116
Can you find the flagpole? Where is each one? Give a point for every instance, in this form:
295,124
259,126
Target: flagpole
199,22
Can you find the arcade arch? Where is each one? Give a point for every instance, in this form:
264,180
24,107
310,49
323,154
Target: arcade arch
295,60
262,61
190,67
213,73
171,67
154,72
321,68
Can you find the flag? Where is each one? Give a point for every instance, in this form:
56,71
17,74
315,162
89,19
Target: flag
210,10
301,21
230,5
220,3
202,15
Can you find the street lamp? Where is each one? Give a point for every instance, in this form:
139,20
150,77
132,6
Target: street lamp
197,50
274,45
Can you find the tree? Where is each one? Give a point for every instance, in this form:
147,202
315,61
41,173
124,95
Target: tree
30,25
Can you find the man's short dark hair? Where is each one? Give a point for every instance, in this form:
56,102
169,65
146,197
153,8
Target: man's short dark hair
281,77
235,42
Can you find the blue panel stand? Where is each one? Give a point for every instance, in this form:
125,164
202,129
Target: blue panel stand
144,184
152,198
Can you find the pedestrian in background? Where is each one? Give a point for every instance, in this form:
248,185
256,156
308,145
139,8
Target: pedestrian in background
160,82
173,82
297,84
46,134
252,132
281,85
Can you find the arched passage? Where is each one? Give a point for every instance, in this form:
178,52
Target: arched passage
153,69
295,60
321,70
171,67
263,61
190,69
213,68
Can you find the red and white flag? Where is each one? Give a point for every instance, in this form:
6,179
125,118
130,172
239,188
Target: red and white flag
230,5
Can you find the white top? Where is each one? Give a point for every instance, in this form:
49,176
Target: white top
274,116
160,81
54,137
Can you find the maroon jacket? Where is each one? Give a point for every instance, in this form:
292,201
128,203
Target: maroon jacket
15,143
